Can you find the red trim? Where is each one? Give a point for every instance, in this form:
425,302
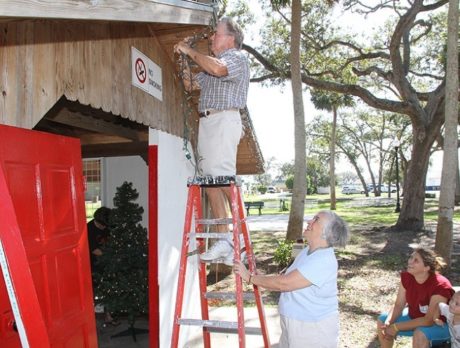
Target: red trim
154,289
21,277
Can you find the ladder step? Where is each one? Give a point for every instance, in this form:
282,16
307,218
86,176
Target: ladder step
223,221
220,326
247,296
217,235
222,180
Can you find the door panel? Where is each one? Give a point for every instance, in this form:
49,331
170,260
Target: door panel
44,177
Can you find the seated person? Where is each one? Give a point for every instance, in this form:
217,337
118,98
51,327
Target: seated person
452,314
422,288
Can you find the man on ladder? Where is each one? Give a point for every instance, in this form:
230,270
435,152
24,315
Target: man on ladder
224,84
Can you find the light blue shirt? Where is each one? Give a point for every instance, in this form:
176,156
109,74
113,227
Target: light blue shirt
318,300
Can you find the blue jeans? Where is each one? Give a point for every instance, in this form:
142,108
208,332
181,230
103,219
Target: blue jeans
435,334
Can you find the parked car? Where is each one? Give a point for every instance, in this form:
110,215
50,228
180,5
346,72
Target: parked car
271,189
383,189
348,190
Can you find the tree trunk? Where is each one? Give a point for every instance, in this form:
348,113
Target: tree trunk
332,160
444,231
412,209
457,188
295,224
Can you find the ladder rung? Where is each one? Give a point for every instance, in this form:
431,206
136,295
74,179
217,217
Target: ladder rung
220,326
222,180
224,221
217,235
247,296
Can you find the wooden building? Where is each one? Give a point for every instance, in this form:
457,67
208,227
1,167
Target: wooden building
104,72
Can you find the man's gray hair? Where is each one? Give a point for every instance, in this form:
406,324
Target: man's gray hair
234,30
335,229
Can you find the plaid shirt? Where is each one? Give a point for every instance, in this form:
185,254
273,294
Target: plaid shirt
226,92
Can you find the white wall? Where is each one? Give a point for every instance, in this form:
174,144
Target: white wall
116,170
173,171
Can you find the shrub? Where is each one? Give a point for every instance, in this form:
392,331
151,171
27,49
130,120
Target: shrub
262,189
283,253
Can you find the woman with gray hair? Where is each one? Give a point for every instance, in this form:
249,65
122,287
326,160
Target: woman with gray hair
308,305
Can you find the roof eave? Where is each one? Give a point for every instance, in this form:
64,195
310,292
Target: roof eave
148,11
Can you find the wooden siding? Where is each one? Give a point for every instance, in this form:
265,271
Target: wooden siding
86,62
90,63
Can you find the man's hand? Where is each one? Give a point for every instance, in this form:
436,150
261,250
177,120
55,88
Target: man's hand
183,47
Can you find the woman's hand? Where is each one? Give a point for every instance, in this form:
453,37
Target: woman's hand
241,270
389,331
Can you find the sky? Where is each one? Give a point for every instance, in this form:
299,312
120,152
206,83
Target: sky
272,113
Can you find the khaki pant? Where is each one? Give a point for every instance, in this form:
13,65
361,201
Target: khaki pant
218,138
303,334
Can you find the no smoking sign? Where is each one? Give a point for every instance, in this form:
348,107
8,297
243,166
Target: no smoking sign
145,74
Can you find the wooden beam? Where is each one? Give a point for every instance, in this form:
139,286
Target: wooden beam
99,139
166,11
115,150
78,120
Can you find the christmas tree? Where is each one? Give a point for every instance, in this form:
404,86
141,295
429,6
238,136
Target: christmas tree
123,286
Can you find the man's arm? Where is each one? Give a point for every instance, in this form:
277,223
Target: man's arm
209,64
189,78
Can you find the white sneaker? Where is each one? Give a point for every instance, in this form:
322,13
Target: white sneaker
219,250
228,260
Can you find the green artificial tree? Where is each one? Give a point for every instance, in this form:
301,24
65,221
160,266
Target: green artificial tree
123,286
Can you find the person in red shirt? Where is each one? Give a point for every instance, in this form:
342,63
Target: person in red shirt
421,289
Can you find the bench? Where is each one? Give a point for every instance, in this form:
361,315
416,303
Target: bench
250,205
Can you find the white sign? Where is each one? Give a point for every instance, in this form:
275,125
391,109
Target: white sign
146,75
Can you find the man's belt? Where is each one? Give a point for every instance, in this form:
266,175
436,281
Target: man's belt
210,112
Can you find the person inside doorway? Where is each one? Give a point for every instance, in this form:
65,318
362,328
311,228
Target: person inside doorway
98,233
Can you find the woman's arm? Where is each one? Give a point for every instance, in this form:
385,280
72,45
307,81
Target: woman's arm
285,282
388,328
426,320
398,307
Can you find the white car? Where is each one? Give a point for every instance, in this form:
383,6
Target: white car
271,189
348,190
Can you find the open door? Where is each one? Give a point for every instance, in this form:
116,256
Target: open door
44,243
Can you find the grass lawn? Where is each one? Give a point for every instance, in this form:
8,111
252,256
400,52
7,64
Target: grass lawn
369,265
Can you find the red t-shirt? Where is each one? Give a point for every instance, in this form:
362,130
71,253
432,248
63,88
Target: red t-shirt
418,295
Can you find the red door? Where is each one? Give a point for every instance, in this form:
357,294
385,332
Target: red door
44,243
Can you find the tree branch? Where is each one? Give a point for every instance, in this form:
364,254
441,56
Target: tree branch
434,6
364,94
399,76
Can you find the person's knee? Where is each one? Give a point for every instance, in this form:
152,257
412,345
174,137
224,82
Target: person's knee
419,339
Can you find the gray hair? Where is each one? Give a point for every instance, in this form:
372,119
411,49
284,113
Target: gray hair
335,229
233,29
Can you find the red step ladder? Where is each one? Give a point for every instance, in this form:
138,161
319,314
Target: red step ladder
238,220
